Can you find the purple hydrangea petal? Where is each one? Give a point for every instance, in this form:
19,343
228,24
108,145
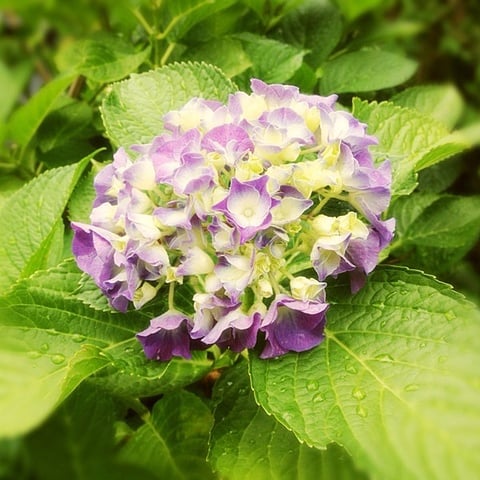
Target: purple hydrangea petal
234,273
235,330
229,140
167,336
292,325
248,206
209,309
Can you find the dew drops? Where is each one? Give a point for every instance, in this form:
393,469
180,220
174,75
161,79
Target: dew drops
350,368
77,338
422,345
128,349
361,411
450,315
44,347
58,358
442,359
383,323
287,417
384,357
229,384
34,355
358,394
412,387
312,385
318,397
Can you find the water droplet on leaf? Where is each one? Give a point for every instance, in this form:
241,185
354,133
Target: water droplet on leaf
412,387
312,385
34,355
358,393
319,397
77,338
350,368
361,411
128,349
58,358
450,315
44,347
384,357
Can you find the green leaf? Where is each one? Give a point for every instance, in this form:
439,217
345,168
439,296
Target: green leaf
410,139
395,380
71,121
180,16
449,222
353,9
37,373
26,119
365,71
51,340
173,441
272,61
102,58
407,209
247,444
271,11
78,441
442,102
30,219
81,201
434,231
315,26
226,53
12,81
9,184
132,111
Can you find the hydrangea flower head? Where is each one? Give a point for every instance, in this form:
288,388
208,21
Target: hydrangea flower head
230,199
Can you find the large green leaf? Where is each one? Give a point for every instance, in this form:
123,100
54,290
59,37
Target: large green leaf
395,381
30,220
26,120
51,340
78,441
449,222
442,102
12,82
315,25
173,441
355,8
226,53
365,71
103,58
180,16
247,444
272,61
132,111
410,139
436,231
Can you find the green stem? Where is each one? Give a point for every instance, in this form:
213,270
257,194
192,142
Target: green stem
138,15
167,53
171,295
138,407
319,207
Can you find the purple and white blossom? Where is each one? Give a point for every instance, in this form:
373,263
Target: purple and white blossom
231,202
292,325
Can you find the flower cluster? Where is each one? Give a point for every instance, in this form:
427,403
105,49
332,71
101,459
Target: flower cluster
238,200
